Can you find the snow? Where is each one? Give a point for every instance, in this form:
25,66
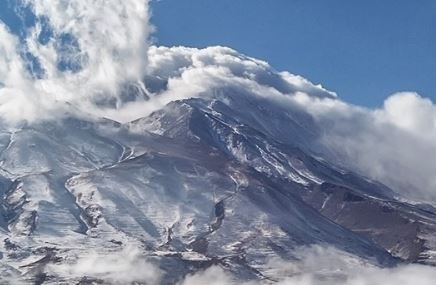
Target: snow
224,177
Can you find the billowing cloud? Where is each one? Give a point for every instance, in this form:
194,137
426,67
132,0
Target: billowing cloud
393,144
215,72
98,44
89,53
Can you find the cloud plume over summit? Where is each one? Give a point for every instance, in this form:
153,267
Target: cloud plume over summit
92,51
391,144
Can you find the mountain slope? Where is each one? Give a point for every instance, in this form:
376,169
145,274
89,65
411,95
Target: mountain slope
224,171
194,184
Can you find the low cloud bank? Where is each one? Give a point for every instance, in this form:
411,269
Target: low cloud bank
119,268
316,265
324,266
406,275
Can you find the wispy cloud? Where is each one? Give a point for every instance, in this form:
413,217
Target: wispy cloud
122,267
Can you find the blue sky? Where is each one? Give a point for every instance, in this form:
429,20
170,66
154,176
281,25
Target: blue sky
363,50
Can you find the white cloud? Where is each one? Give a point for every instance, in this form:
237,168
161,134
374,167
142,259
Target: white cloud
324,266
412,113
18,99
122,267
181,73
106,48
394,144
112,37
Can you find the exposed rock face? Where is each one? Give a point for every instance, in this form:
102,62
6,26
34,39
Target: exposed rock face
399,228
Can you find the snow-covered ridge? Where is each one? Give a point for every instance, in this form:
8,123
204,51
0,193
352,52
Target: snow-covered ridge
125,163
227,163
198,182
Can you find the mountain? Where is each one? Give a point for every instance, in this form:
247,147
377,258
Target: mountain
226,178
